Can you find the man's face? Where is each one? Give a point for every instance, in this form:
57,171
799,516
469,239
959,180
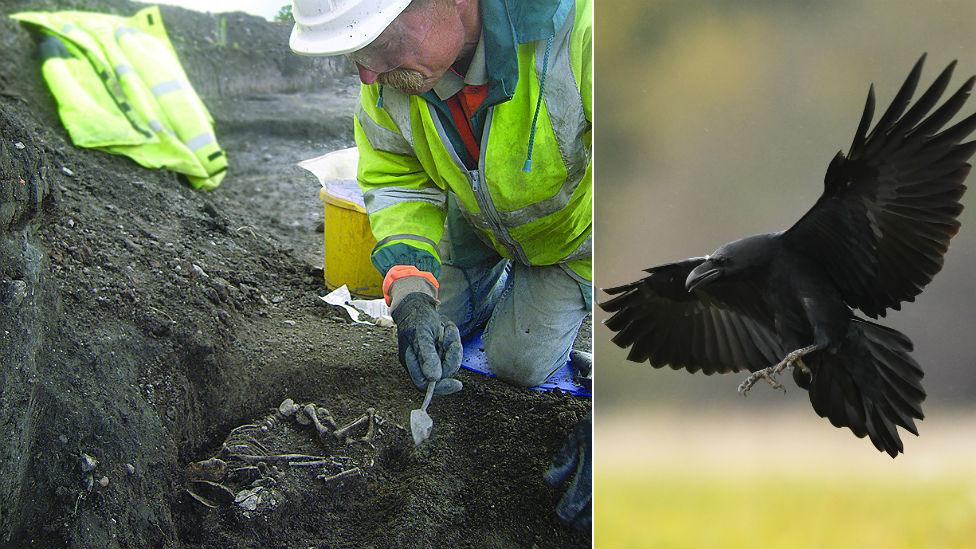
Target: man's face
415,51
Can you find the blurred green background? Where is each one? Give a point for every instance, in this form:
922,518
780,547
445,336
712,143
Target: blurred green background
716,120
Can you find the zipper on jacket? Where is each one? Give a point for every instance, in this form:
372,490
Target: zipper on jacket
489,206
476,179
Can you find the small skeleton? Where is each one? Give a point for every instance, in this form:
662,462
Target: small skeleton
245,461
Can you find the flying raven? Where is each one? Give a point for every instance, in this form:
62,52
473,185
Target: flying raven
875,238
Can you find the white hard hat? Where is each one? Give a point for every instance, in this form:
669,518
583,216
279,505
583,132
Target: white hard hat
335,27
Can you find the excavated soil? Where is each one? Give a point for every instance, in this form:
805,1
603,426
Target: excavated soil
140,321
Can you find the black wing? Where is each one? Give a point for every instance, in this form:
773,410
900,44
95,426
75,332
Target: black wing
889,208
723,331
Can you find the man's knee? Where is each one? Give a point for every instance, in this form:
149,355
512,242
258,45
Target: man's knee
522,364
534,325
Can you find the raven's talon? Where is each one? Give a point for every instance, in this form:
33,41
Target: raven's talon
768,378
771,380
768,374
747,384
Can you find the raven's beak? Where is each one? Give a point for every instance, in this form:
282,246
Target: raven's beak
702,275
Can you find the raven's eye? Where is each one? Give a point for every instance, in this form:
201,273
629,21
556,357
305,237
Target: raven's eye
719,260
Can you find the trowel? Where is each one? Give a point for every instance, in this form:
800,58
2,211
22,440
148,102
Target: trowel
420,422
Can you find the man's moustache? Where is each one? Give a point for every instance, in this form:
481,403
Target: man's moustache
402,79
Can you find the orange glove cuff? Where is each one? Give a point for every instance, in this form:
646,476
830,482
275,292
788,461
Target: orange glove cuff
402,271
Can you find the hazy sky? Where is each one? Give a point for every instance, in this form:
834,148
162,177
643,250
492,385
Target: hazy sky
262,8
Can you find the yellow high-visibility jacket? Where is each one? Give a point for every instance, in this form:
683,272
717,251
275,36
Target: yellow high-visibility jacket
120,88
530,195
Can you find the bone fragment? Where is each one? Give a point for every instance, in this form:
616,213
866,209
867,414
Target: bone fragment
340,433
287,407
355,471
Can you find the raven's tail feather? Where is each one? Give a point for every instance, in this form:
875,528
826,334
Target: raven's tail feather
870,385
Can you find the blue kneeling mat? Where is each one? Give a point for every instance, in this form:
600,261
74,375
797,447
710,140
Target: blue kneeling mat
563,379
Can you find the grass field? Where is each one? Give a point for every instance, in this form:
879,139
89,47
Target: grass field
780,482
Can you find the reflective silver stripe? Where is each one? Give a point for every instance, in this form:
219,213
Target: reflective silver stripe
397,105
573,274
379,199
67,27
563,100
122,31
123,69
444,139
393,237
381,138
198,142
156,125
585,249
167,87
545,207
476,219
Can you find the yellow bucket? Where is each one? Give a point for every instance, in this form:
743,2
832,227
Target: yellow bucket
348,238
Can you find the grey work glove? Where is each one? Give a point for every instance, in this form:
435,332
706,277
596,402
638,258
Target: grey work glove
581,363
429,344
576,458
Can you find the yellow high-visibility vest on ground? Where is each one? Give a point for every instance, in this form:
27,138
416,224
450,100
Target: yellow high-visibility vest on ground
120,88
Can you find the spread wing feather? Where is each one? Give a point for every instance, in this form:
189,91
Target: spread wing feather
725,330
890,207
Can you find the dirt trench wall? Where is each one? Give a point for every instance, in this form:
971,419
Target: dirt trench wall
26,299
72,370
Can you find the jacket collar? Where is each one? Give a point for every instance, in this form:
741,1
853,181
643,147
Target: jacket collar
476,75
506,24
